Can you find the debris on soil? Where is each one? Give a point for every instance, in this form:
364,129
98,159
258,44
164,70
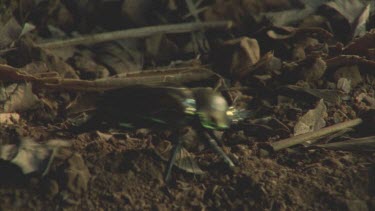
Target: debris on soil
257,105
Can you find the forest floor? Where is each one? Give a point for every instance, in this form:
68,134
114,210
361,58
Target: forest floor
295,67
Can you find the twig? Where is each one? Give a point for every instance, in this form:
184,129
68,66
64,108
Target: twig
192,75
365,144
200,42
137,33
299,139
173,75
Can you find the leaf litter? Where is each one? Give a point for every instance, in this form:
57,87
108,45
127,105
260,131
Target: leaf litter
299,75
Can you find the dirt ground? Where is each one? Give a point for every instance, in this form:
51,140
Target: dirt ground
278,74
115,173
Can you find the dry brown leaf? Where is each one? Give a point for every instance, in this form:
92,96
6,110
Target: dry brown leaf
328,95
55,64
138,11
286,17
18,98
313,120
362,46
88,68
343,60
312,69
184,160
267,64
160,48
344,84
351,73
9,118
27,27
287,32
281,33
122,56
354,11
238,11
243,52
365,97
31,156
9,32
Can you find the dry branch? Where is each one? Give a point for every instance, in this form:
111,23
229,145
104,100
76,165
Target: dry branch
365,144
137,33
299,139
171,75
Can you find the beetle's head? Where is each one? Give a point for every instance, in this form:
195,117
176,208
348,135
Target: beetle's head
212,109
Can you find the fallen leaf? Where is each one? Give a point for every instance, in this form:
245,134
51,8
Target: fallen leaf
31,156
313,120
9,118
355,13
160,48
368,99
243,53
138,11
288,32
9,32
88,68
241,12
18,97
343,60
121,56
281,33
328,95
287,17
184,159
268,64
362,45
344,84
27,27
312,69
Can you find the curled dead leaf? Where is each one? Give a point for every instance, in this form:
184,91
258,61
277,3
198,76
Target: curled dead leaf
328,95
243,52
312,69
122,56
354,12
344,84
31,156
287,32
343,60
18,97
184,159
9,118
9,32
351,73
362,46
313,120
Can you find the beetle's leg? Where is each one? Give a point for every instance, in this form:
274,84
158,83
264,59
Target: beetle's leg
213,143
172,158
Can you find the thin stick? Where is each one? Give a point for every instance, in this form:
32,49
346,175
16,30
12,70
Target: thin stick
179,77
137,33
171,75
299,139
